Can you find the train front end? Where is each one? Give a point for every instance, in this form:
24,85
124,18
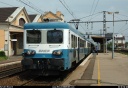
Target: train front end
45,49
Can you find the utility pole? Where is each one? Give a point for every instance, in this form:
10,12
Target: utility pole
77,21
104,23
113,33
104,31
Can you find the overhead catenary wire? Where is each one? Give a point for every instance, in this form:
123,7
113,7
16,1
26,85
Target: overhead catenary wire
12,6
91,9
69,10
124,30
92,12
94,9
122,27
6,3
68,7
30,6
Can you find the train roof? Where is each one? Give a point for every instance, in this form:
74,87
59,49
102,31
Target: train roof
46,25
51,25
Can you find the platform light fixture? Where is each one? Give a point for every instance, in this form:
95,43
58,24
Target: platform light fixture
113,32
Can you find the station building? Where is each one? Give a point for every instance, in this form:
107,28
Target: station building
12,20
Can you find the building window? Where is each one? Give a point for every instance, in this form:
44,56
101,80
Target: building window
21,22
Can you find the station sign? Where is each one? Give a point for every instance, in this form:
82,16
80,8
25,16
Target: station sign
108,35
13,39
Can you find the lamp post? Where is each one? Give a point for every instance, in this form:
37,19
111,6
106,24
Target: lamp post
113,33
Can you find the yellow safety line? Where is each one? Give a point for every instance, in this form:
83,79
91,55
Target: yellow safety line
99,84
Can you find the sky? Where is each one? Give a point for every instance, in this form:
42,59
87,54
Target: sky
85,10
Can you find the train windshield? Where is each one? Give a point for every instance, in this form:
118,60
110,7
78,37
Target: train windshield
33,36
54,36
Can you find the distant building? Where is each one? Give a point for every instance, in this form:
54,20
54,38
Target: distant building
54,17
119,41
35,18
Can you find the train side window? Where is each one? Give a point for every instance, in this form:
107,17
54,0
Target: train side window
69,37
75,41
85,44
72,41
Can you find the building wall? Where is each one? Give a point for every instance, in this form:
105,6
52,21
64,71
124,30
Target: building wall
21,15
2,39
19,35
17,46
39,20
59,14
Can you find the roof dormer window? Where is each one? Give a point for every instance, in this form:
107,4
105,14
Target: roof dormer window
21,22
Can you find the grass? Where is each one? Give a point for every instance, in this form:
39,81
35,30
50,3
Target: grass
3,58
124,53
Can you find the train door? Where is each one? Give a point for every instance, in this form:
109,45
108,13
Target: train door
78,48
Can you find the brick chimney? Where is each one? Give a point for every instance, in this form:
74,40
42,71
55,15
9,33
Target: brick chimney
58,13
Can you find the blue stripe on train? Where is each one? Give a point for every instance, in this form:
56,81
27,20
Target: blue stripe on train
46,55
64,55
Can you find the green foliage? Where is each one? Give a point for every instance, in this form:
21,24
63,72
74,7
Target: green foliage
2,53
2,56
109,45
126,44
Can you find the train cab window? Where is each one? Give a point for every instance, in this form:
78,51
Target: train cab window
33,36
54,36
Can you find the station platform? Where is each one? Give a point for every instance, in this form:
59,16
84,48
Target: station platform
11,59
100,70
11,63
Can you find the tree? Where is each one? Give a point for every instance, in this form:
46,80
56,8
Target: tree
126,44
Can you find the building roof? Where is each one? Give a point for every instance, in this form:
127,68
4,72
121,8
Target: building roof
46,13
6,12
32,17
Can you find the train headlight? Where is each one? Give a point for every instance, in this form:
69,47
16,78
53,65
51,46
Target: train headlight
28,52
57,52
54,52
33,52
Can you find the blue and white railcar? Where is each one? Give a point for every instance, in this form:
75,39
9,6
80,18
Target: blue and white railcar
52,46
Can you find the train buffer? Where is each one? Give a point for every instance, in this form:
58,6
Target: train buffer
101,70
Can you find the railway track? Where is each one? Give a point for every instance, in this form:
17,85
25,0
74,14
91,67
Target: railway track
49,80
27,78
43,80
9,72
124,51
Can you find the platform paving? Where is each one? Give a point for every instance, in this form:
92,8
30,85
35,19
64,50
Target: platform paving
111,71
101,70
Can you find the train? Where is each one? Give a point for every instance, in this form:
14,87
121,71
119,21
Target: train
53,46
